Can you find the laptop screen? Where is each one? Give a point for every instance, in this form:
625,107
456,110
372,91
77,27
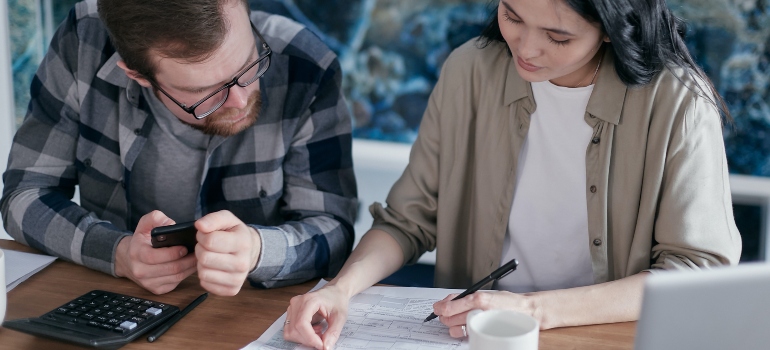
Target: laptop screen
720,308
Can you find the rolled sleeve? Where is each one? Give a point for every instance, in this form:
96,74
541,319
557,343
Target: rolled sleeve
695,227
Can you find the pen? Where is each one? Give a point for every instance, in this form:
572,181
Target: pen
495,275
165,326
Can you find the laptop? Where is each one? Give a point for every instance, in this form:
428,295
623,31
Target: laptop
721,308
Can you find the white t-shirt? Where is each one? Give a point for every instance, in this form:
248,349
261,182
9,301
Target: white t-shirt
548,225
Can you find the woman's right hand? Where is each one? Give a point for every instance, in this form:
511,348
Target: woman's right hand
306,313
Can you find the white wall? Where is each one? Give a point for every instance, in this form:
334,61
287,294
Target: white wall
378,165
7,127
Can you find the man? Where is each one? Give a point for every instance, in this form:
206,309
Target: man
177,110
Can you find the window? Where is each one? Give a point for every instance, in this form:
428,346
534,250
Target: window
31,24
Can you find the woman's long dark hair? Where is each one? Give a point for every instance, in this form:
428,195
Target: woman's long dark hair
645,36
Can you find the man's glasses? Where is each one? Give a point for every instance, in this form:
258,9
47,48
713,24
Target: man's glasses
209,104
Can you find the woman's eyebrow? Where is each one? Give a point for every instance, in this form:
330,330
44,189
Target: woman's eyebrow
554,30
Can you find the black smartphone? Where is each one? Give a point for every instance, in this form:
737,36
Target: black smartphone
178,234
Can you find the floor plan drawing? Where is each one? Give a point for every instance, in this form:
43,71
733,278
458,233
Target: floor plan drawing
382,318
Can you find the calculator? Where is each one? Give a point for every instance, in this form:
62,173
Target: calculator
98,319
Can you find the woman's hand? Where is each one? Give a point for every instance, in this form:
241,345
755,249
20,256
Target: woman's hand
305,315
453,313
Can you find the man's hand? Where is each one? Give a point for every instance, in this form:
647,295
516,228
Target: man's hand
159,270
227,251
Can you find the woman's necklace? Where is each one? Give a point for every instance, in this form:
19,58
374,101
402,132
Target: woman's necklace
594,76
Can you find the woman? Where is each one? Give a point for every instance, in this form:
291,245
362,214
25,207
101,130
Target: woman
577,136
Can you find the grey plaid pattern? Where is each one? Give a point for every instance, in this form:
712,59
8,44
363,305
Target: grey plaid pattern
290,175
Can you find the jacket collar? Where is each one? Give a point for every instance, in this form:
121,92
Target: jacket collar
609,93
112,74
606,101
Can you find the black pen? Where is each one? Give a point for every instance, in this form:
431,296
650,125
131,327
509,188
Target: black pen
495,275
165,326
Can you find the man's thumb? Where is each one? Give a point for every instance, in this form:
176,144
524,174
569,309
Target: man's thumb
152,220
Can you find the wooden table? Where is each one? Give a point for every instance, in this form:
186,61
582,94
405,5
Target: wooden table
219,322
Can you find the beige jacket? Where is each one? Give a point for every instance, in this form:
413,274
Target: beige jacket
657,188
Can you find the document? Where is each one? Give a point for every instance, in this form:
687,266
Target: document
381,318
19,266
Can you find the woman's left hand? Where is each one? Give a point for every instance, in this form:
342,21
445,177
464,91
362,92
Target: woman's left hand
453,313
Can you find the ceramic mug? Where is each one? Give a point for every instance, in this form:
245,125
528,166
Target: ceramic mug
502,330
3,300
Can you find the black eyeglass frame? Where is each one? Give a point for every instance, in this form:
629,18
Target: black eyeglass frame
227,86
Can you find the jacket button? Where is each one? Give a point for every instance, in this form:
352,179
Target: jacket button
597,242
138,131
87,162
123,184
595,140
263,193
593,189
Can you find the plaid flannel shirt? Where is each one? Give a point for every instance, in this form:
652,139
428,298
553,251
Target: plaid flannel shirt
290,175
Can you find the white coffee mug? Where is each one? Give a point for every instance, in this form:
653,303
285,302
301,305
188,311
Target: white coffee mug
502,330
3,301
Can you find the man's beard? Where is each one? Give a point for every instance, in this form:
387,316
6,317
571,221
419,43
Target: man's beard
219,123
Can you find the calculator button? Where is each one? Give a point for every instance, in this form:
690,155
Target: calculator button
87,316
71,305
60,318
162,306
106,326
154,311
118,309
118,329
83,308
141,307
147,302
94,323
62,310
101,319
91,295
80,301
113,321
96,311
121,298
73,313
135,300
92,304
132,312
128,305
138,320
128,325
122,316
115,302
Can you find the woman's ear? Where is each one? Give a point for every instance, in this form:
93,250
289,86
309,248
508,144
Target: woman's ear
134,75
606,39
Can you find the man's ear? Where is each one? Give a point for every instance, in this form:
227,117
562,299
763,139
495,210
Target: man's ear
134,75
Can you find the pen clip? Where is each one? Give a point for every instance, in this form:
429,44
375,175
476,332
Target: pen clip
505,274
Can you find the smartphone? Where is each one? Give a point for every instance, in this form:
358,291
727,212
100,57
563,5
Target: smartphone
178,234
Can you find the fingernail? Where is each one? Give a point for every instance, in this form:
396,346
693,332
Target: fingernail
183,252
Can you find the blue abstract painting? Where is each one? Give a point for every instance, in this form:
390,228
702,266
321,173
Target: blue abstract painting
392,50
